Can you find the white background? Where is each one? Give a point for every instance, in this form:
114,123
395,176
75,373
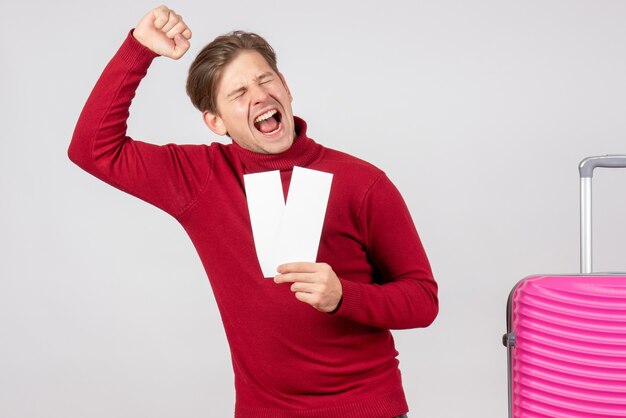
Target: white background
479,111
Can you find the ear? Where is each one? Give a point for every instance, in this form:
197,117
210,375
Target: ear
214,122
282,79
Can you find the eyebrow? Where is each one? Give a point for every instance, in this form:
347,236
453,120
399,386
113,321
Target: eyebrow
242,89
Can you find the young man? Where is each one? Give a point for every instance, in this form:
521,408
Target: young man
314,341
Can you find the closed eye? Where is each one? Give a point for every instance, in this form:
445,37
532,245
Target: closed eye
237,93
265,78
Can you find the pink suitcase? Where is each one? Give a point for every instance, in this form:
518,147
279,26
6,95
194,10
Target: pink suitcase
566,335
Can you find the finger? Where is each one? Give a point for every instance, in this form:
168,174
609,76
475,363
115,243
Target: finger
294,277
181,46
187,33
306,297
161,15
172,20
302,287
179,28
300,267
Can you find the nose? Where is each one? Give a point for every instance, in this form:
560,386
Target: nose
258,94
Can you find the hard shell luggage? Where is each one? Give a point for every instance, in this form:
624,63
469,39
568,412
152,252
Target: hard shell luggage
566,335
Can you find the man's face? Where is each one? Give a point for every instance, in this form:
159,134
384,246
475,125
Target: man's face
254,105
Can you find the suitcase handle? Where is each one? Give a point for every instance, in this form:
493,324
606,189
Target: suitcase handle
609,161
586,168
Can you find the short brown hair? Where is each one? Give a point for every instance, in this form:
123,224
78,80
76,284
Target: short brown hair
206,70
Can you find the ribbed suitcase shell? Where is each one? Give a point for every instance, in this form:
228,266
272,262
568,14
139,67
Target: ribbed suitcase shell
568,357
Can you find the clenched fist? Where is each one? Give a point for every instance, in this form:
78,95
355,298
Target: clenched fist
163,32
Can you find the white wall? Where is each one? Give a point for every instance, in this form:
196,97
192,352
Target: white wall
479,111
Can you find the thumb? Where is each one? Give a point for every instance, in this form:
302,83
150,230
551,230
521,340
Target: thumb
181,45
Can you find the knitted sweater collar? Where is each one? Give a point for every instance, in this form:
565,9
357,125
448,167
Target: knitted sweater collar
302,152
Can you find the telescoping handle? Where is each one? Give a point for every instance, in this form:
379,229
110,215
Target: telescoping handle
586,168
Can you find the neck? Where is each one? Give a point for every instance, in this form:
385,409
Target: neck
303,151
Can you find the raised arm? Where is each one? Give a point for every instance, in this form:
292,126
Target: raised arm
167,176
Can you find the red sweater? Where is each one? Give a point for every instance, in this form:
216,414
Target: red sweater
289,359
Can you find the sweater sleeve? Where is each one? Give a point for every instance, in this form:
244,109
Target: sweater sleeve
168,176
406,296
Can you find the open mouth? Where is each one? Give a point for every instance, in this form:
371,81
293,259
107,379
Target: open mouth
269,122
